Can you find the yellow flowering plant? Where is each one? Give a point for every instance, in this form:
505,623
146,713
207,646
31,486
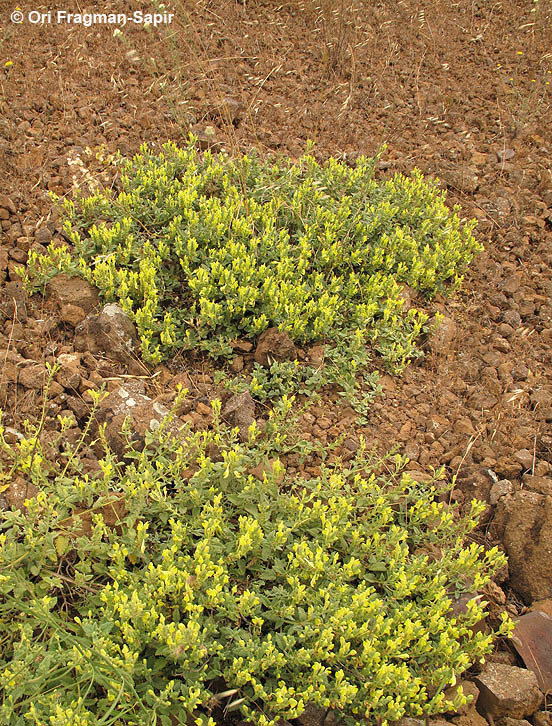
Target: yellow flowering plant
216,590
202,249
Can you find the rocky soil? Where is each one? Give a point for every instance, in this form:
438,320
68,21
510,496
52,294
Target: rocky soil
462,91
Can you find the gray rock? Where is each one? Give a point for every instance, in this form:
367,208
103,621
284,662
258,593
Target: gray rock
144,415
240,411
505,690
43,235
500,489
111,332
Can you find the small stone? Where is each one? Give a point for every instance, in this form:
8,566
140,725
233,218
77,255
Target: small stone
525,458
316,355
206,137
267,469
237,363
43,235
507,691
412,451
512,284
500,489
471,718
465,179
464,426
229,109
111,332
387,383
24,243
545,606
274,345
78,406
13,301
73,291
204,410
244,346
18,255
407,294
505,330
33,376
240,411
544,413
478,158
405,430
3,263
6,203
501,344
417,476
72,314
9,372
351,444
18,491
532,638
512,318
505,155
55,389
144,413
441,338
524,524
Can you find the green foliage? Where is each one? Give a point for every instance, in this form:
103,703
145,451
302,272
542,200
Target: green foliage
177,583
200,250
342,367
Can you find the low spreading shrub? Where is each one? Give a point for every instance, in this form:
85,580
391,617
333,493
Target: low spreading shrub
341,369
180,582
203,249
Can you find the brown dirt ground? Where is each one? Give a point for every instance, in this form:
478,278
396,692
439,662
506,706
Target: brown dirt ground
461,90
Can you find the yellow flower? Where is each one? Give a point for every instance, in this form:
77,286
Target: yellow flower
520,52
8,64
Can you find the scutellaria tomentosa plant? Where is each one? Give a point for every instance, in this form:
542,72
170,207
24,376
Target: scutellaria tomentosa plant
202,249
178,584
